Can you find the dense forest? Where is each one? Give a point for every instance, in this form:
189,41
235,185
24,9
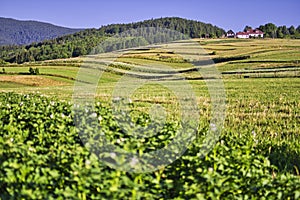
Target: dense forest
87,41
25,32
63,47
192,28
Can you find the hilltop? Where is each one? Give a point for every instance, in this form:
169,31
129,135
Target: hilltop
17,32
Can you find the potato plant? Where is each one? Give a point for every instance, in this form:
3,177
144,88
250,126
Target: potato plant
43,157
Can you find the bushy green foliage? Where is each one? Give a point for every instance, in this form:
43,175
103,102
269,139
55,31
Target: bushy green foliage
34,71
42,157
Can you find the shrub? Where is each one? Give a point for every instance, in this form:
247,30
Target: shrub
213,53
34,71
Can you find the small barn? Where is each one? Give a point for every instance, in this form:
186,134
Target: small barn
230,34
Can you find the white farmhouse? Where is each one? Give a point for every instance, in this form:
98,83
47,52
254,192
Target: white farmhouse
242,35
250,34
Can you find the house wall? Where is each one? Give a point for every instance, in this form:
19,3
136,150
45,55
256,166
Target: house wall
256,35
242,36
231,35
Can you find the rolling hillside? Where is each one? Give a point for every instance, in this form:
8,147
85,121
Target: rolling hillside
25,32
255,156
83,42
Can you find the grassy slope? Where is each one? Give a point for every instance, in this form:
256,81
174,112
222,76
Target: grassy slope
262,111
266,54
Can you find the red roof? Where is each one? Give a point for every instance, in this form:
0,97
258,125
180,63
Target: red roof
256,31
242,33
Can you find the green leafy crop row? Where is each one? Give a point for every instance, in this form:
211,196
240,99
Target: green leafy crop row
42,157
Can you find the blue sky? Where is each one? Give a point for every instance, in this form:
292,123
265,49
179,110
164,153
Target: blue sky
228,14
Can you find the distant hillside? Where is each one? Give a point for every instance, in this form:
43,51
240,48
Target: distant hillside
192,28
25,32
81,43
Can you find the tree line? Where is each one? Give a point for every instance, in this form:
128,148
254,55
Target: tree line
272,31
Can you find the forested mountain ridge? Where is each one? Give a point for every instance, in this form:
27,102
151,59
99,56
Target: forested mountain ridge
16,32
81,43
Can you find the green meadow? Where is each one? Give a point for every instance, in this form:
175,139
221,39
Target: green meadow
256,156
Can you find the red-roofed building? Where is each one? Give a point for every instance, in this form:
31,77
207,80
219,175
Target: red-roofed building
250,33
242,35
